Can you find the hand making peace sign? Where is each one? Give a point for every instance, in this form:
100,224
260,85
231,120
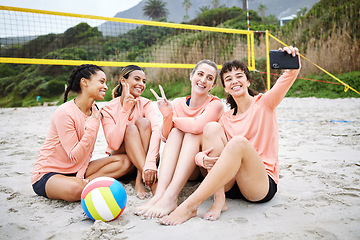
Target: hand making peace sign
164,105
129,100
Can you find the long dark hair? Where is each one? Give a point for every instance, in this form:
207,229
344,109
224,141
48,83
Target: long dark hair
125,72
82,71
229,66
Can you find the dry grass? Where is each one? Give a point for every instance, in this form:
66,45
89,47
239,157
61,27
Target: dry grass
337,53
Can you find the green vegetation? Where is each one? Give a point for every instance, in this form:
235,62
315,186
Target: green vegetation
329,33
306,88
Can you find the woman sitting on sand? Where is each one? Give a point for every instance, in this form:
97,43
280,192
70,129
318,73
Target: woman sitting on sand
183,124
244,143
63,166
132,129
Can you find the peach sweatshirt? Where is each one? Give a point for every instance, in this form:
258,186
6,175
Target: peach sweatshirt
69,143
115,121
192,120
259,123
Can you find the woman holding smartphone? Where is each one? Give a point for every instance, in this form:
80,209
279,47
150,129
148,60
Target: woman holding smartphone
244,158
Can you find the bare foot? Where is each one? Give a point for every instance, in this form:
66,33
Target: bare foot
143,208
140,189
162,207
214,212
180,215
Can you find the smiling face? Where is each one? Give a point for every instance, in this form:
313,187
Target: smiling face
203,79
235,82
136,81
96,85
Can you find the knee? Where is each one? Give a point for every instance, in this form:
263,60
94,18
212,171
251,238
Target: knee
131,129
143,124
121,163
212,129
74,191
176,132
192,137
237,143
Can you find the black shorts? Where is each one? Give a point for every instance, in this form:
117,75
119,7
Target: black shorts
39,186
235,193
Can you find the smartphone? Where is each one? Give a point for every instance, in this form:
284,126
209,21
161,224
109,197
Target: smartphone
283,60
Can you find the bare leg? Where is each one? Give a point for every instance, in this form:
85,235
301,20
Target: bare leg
214,136
184,168
70,188
239,159
63,187
113,166
136,152
168,162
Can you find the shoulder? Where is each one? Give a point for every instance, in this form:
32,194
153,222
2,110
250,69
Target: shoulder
180,100
114,103
144,101
225,117
228,114
213,98
66,108
259,97
65,111
215,104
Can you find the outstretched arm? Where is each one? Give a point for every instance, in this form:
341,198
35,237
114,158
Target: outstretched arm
277,93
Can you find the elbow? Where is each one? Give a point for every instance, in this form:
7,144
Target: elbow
113,146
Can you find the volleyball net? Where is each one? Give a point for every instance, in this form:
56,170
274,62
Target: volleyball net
30,36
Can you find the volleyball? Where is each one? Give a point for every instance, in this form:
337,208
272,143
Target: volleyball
103,198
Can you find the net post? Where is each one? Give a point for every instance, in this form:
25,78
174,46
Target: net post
267,60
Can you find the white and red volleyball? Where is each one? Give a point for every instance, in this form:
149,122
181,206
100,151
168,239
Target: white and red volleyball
103,198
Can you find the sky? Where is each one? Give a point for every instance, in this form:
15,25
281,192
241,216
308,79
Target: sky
104,8
18,24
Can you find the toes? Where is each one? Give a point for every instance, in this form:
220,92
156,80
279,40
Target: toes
139,212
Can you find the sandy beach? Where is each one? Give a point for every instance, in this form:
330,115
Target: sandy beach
318,193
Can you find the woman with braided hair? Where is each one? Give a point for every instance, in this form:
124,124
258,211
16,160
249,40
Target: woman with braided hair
132,129
63,166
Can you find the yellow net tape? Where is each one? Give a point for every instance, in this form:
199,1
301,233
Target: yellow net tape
99,63
346,86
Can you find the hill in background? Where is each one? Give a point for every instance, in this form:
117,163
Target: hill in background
278,8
